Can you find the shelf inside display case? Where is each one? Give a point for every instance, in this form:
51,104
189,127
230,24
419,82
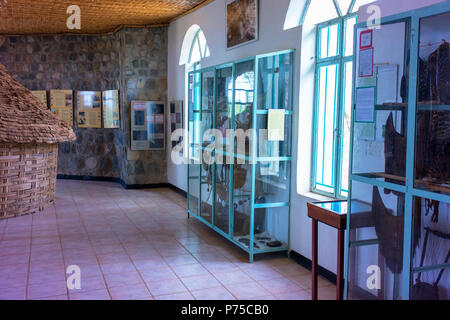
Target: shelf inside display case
262,242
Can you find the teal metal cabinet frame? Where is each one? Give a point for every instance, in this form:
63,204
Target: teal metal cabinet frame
245,197
389,238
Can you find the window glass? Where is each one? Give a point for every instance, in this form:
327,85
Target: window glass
329,46
349,31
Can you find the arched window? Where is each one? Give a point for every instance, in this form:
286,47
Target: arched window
194,46
193,50
313,12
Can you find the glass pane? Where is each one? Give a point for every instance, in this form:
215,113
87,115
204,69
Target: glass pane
268,148
196,54
431,236
194,180
207,92
242,194
347,123
431,285
376,241
320,11
344,5
379,146
243,106
348,39
272,184
326,120
432,169
224,100
194,111
271,229
207,196
244,91
222,194
275,86
329,41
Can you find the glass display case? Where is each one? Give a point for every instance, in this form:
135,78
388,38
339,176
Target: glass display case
239,170
398,244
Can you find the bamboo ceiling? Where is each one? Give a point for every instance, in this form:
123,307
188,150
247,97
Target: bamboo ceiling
97,16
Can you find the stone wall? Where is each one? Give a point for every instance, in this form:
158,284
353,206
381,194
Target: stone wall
133,61
144,76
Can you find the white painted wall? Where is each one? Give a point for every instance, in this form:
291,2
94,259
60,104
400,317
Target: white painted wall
211,19
390,7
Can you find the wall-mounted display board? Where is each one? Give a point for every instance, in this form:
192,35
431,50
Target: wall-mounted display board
399,198
42,96
176,119
61,103
111,109
89,109
147,125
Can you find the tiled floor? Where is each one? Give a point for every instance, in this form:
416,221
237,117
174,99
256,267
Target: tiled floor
135,245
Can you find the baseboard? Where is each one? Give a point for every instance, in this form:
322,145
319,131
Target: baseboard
88,178
307,263
123,184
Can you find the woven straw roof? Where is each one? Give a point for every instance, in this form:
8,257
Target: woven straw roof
23,118
97,16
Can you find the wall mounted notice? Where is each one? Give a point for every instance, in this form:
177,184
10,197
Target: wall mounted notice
147,125
111,109
42,96
61,104
275,124
366,39
89,111
365,105
366,62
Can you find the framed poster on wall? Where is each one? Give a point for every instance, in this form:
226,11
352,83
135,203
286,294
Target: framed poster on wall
242,22
176,119
89,112
111,109
61,104
147,125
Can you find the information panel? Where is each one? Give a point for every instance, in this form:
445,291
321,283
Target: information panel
61,104
147,125
89,113
42,96
111,109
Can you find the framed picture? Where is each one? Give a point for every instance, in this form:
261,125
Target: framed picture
147,125
366,39
242,22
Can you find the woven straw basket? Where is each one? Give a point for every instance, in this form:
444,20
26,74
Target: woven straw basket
28,178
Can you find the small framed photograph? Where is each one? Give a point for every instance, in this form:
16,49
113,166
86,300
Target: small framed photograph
242,22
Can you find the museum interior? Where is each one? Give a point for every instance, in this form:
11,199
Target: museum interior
225,150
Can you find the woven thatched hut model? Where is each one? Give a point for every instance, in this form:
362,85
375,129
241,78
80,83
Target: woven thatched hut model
29,137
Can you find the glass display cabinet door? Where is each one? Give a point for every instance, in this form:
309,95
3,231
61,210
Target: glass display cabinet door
224,167
244,86
432,167
430,279
194,151
379,131
207,146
